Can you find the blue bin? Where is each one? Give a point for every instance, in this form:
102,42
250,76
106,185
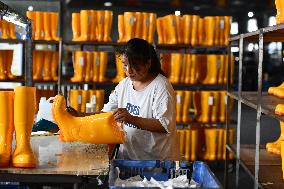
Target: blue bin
162,171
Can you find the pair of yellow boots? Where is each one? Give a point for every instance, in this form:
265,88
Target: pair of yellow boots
280,11
97,129
17,114
92,25
89,66
7,30
206,143
79,98
6,60
45,64
44,25
193,30
279,92
136,25
208,106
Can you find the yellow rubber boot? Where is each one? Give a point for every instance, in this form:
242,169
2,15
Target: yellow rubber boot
47,25
54,25
211,139
75,99
231,141
84,26
179,29
9,62
6,126
212,70
175,68
103,66
182,69
197,105
5,29
210,30
39,62
129,23
275,147
100,25
220,144
107,25
76,26
282,157
89,65
54,65
186,106
227,29
215,107
93,97
24,113
206,102
96,129
12,33
187,28
181,134
221,30
152,27
79,66
47,65
201,31
92,25
96,66
138,25
3,66
171,29
119,69
221,75
160,32
39,32
120,27
187,154
194,34
100,97
187,61
195,69
32,16
217,30
145,25
179,105
85,99
194,142
222,106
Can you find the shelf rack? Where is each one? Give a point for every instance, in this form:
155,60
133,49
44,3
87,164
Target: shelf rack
262,103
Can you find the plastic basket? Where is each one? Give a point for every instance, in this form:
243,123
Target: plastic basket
162,171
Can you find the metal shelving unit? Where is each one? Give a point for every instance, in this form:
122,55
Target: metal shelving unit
263,104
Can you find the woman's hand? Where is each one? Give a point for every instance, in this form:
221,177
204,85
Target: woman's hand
122,115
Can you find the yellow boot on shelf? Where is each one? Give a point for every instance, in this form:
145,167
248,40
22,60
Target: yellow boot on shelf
275,147
5,29
197,105
76,26
92,97
12,32
9,62
217,30
92,25
54,65
85,99
220,144
108,26
194,69
79,66
6,126
215,107
100,25
120,28
24,113
96,66
75,99
187,61
194,144
187,150
138,25
210,30
194,31
179,105
186,106
54,25
161,37
97,129
182,69
222,106
181,134
119,69
39,32
175,68
212,70
47,65
39,62
171,25
211,139
179,29
231,141
129,22
152,27
47,25
206,103
221,75
145,25
187,19
227,29
103,66
3,66
166,63
84,26
89,65
100,96
32,16
201,31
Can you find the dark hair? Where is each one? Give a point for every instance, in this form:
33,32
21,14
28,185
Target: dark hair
140,52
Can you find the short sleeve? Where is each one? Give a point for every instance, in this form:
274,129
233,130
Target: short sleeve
164,107
112,102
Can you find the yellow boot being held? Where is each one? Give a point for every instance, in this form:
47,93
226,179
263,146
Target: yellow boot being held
24,113
275,147
96,129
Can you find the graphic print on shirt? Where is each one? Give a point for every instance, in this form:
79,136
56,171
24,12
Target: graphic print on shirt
133,110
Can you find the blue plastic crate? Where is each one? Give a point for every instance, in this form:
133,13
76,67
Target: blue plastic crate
162,171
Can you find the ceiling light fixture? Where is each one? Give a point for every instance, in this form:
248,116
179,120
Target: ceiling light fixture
250,14
107,4
177,13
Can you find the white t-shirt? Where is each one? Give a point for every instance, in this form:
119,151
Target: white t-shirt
157,100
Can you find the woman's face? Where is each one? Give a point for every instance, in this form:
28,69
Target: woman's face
139,73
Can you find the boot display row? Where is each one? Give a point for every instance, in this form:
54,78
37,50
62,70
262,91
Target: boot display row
44,25
45,64
6,60
136,25
280,11
196,69
89,66
79,98
17,114
194,30
7,30
92,25
204,143
201,106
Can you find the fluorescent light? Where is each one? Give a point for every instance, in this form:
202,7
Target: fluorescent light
107,4
250,14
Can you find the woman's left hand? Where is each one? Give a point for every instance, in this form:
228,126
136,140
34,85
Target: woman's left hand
122,115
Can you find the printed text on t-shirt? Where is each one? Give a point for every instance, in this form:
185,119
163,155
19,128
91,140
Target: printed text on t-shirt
133,110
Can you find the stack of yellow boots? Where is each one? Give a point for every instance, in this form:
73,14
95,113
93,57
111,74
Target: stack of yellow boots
44,25
7,29
280,11
45,64
79,98
6,60
120,74
92,25
18,111
189,140
136,25
89,66
275,147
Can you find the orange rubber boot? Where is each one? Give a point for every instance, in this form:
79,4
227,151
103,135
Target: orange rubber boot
76,26
84,26
222,30
221,66
6,126
39,32
75,99
39,62
24,113
100,25
211,139
231,141
85,99
96,66
206,102
187,28
161,37
187,62
89,65
9,62
186,106
107,25
175,68
179,105
92,25
152,27
187,154
32,16
138,25
194,144
201,31
54,26
212,70
120,27
222,106
181,134
220,144
5,29
79,66
100,97
194,69
215,107
194,34
217,33
3,66
47,65
171,29
275,147
282,157
103,66
47,25
145,25
54,65
129,23
12,33
210,30
227,29
119,69
272,90
180,29
197,105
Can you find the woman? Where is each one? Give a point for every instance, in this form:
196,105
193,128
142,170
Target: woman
145,103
